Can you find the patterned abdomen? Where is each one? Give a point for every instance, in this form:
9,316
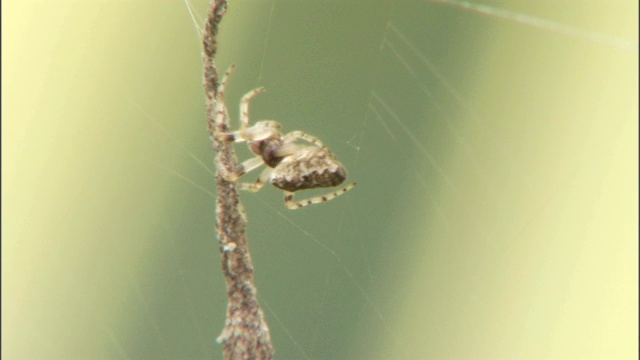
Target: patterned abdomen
312,168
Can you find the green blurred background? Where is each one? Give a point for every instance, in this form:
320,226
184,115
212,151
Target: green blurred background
496,156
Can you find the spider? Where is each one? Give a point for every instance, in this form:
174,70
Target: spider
290,166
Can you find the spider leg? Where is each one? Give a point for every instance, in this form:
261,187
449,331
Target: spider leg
230,137
291,204
254,133
288,149
262,179
242,169
244,110
297,134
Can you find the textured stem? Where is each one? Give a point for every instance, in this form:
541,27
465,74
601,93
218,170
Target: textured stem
245,334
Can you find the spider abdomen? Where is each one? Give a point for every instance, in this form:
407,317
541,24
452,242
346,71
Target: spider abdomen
314,168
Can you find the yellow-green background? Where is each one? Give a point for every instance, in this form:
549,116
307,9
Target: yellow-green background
496,220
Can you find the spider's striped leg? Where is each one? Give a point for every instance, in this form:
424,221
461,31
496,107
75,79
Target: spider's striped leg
292,204
297,134
256,186
242,169
244,109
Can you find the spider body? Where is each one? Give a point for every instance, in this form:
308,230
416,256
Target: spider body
290,166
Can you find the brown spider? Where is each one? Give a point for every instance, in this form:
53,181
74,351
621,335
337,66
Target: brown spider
290,166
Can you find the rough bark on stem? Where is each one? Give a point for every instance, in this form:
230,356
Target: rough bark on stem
245,334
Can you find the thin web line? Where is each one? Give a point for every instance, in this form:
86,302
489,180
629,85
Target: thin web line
195,21
529,20
266,43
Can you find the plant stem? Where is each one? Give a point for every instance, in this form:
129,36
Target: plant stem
245,334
